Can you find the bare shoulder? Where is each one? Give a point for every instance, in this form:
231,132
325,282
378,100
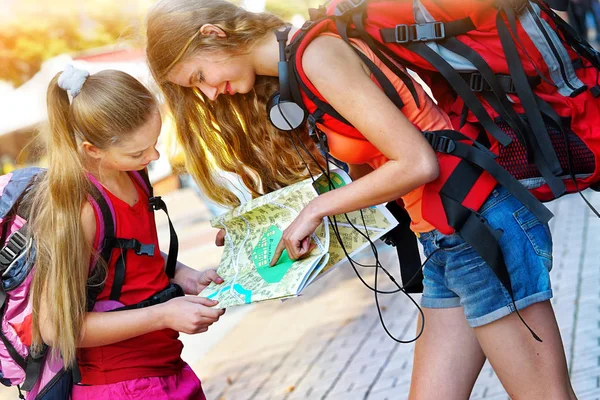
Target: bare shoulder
88,222
329,56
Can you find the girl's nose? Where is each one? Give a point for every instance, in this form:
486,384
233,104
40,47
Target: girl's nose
155,155
209,91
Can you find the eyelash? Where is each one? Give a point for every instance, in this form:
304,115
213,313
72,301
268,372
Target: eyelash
138,156
199,77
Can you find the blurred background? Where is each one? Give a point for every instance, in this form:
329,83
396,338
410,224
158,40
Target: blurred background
37,40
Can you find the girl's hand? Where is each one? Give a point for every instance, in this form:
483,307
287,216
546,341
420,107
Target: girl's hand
190,314
193,281
296,238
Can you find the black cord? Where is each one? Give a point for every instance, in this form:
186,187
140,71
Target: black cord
352,262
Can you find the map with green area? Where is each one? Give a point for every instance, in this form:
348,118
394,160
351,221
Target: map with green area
253,230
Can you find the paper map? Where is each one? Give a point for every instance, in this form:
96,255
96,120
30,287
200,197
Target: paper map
253,230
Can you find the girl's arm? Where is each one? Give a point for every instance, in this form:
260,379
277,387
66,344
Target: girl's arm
359,170
183,314
342,78
189,314
344,81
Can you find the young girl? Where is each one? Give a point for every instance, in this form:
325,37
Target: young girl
101,127
217,64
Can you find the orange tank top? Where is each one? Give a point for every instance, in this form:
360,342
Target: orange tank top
358,150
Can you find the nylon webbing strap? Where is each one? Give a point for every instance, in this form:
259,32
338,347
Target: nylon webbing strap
357,18
383,80
426,32
478,84
124,245
157,203
531,109
503,106
14,354
475,230
579,44
462,89
549,112
172,291
33,370
405,242
475,156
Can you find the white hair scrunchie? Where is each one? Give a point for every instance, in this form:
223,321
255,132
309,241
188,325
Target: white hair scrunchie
72,79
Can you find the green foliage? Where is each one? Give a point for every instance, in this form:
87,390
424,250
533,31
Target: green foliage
36,34
28,40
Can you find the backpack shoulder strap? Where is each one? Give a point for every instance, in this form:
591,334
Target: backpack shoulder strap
156,203
107,229
142,178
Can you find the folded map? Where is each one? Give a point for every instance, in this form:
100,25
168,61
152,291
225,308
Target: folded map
253,230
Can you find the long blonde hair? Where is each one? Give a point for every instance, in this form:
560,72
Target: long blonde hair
233,129
111,105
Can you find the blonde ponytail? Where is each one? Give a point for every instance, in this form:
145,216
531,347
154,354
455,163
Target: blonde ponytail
111,105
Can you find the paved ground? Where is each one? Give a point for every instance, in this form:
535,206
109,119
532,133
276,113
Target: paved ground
329,343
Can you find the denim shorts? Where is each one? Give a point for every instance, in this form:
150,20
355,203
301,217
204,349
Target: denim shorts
457,276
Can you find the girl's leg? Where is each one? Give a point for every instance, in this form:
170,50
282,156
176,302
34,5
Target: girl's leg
447,357
528,369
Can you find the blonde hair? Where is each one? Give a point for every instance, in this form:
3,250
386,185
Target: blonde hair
111,105
232,129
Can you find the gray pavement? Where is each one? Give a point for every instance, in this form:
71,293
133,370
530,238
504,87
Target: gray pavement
329,343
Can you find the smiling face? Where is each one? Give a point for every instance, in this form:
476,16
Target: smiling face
214,74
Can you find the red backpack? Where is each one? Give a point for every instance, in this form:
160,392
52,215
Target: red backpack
517,82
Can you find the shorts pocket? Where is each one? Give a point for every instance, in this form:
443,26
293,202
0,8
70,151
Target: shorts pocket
537,233
451,243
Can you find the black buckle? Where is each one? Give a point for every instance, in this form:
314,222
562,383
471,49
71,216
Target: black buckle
420,32
439,143
13,248
476,82
402,33
143,249
508,84
133,244
343,7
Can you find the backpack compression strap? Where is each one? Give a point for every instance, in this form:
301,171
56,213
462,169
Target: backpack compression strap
535,138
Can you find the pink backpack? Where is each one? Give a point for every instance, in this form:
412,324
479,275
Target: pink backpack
44,377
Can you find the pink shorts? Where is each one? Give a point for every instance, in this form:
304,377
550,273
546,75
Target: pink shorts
183,386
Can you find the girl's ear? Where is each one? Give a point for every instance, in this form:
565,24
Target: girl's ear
210,29
92,150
